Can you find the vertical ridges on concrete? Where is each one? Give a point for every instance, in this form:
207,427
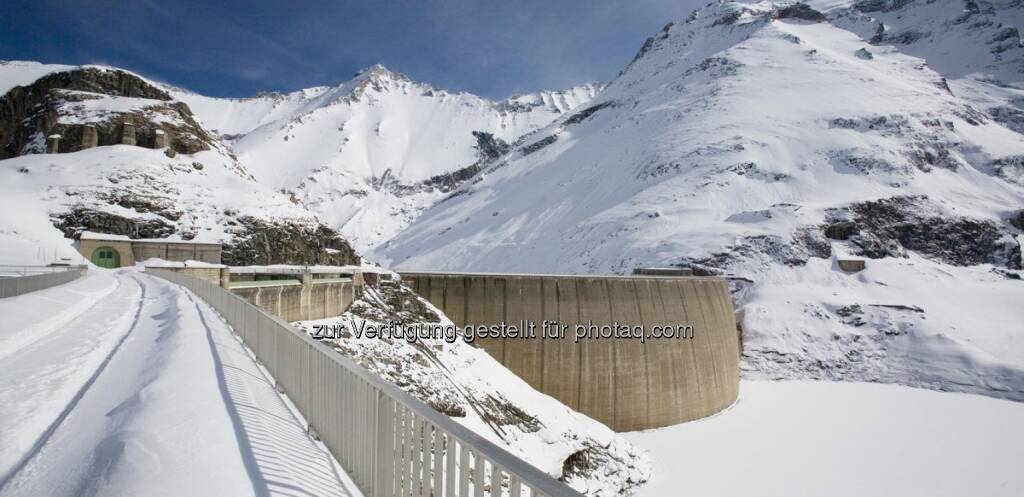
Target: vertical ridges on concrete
159,138
630,355
53,144
127,133
90,138
621,382
597,366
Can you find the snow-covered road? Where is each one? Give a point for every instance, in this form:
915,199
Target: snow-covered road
123,384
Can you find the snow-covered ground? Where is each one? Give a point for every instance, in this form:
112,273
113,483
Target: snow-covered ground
475,390
122,384
802,438
742,141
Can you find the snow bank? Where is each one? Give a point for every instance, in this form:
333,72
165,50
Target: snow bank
819,438
465,383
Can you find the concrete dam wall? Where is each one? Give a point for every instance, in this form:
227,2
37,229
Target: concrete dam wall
293,300
622,382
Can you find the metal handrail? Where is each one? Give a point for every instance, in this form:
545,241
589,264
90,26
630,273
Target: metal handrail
391,443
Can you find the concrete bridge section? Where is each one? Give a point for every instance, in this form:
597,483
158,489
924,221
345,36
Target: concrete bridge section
297,294
291,293
621,382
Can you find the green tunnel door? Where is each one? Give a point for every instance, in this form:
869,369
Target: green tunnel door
106,257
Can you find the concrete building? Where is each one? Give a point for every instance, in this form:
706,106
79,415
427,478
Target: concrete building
622,382
112,251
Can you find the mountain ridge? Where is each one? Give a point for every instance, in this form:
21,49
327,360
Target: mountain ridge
765,142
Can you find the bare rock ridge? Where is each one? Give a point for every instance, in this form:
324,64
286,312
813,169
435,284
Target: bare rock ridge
57,104
263,242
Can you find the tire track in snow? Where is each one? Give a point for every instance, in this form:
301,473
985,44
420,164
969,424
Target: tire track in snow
41,441
26,337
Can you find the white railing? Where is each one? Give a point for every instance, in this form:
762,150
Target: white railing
31,278
8,270
390,443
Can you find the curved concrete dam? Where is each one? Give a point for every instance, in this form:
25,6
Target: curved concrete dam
626,383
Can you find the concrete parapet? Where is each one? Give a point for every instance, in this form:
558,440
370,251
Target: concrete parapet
206,272
299,298
625,383
663,271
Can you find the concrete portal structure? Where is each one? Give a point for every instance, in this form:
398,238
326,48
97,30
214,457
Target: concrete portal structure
622,382
120,251
128,134
53,144
90,138
159,139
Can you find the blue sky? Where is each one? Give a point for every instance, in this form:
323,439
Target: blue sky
234,48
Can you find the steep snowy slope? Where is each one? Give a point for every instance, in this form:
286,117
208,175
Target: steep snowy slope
22,72
192,189
474,389
369,154
763,141
366,156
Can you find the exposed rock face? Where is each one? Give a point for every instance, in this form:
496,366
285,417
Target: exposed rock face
262,242
1010,169
800,11
888,227
489,146
806,242
65,103
73,223
1017,220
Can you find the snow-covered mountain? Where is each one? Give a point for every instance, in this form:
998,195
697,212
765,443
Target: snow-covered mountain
362,158
192,189
765,141
369,154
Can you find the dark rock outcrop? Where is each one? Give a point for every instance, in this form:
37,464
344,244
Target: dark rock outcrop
1010,117
1017,220
887,227
585,114
1010,168
800,11
81,219
262,242
33,111
539,144
490,147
